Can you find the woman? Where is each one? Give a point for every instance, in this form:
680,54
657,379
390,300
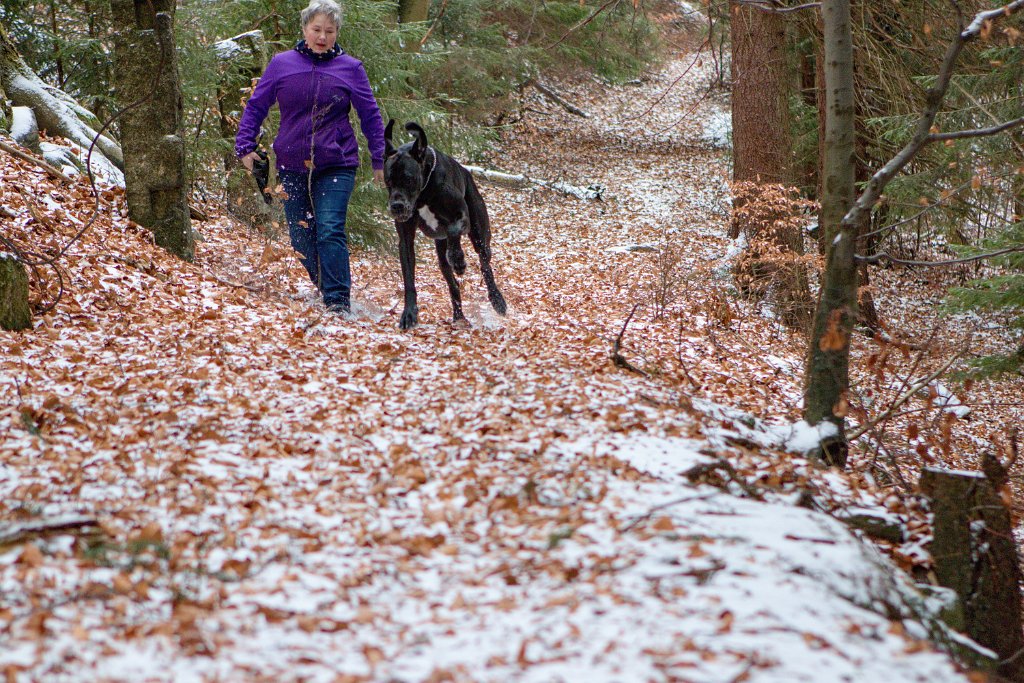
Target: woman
315,85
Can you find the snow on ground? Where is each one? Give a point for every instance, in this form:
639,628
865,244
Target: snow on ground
281,494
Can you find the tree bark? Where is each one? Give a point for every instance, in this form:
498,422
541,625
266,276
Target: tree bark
762,154
762,147
146,78
410,11
827,375
14,309
57,112
975,555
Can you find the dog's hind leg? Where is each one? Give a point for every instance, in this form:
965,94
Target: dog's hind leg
480,236
456,256
443,252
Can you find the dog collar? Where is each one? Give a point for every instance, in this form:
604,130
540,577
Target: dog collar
432,167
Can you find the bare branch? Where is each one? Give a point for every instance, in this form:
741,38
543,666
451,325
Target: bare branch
586,21
440,16
878,258
922,132
976,132
946,196
863,429
777,7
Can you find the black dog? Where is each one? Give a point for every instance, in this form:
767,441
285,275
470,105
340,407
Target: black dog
431,191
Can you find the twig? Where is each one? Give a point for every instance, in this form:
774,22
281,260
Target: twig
583,23
696,473
922,131
617,358
696,58
647,515
876,258
440,15
976,132
907,395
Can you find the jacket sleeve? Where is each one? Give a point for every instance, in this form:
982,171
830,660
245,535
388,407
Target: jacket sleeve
262,98
369,115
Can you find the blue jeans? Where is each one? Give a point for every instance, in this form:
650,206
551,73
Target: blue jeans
316,207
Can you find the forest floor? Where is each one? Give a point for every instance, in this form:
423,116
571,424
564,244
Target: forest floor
204,481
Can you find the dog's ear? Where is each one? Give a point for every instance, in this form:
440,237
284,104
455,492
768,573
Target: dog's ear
420,148
389,147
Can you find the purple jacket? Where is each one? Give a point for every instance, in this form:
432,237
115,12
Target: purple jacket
314,96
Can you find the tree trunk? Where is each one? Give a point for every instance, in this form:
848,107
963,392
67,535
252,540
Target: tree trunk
57,112
762,154
146,74
14,310
975,555
410,11
827,375
762,147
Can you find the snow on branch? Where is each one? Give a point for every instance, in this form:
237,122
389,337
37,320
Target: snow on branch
520,180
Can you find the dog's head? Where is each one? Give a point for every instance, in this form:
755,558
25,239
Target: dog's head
405,170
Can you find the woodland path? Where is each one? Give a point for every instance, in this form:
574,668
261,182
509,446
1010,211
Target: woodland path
290,496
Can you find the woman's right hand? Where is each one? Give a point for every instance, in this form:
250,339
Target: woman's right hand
248,159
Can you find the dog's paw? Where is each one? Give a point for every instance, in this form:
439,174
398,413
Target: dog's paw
410,318
498,301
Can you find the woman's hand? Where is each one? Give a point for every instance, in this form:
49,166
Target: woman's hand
378,176
248,159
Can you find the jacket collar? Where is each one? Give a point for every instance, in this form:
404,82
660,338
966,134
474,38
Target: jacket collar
302,48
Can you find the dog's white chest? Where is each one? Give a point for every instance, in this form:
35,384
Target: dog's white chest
428,217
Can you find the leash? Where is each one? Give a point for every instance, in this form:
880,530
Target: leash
432,167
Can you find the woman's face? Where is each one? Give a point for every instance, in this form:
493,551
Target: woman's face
320,33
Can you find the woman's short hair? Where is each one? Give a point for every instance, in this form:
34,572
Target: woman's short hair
328,8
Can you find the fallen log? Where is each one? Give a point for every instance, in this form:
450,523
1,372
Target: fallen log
520,180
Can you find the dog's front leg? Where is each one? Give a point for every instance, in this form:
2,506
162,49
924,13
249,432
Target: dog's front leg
407,257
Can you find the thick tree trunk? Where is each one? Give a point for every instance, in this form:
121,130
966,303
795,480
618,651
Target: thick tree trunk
762,147
57,112
14,310
147,73
975,555
762,154
827,375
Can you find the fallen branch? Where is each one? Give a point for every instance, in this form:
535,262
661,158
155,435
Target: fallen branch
698,474
521,180
38,162
678,501
550,93
22,531
618,360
